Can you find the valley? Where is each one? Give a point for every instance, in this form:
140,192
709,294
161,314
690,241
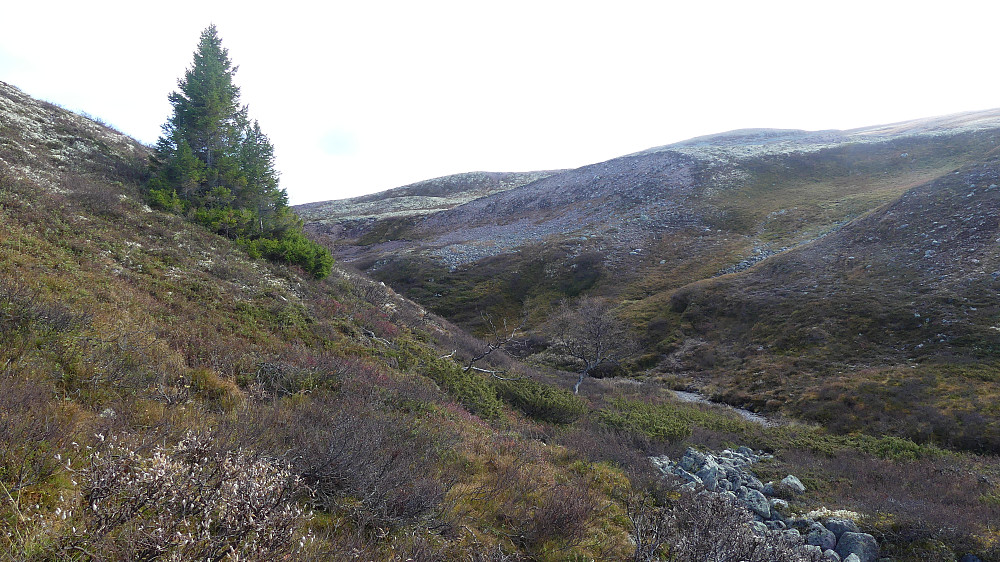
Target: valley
167,394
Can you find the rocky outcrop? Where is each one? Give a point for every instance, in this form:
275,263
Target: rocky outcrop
728,474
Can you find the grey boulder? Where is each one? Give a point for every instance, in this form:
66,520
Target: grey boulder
821,537
792,484
840,526
863,545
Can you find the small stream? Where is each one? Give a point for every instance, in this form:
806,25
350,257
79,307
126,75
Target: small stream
684,396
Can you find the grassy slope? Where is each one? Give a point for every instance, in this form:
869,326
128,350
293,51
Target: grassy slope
136,325
887,323
120,322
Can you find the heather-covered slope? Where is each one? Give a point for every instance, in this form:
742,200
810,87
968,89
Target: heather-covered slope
166,397
649,223
895,313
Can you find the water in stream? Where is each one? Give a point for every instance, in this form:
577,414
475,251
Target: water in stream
684,396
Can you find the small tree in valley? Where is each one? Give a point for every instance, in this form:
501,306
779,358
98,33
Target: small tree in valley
589,332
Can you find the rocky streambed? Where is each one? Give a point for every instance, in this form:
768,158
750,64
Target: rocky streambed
728,474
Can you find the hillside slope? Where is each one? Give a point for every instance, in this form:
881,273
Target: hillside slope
651,222
906,296
166,397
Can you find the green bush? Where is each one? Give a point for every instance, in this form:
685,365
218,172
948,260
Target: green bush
295,248
540,401
471,390
165,199
669,421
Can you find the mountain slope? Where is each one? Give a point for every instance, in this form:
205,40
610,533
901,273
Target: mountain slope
907,295
156,380
654,221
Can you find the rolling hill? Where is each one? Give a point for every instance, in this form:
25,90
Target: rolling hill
166,396
780,270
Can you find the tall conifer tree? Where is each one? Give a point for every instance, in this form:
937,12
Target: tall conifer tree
217,165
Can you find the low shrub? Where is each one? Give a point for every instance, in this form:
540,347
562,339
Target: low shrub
542,402
689,527
473,391
360,457
185,502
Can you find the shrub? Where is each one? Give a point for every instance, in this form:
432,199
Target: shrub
292,247
698,528
473,391
360,457
542,402
669,421
32,432
186,502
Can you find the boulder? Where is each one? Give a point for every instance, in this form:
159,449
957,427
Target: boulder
692,460
687,476
820,536
852,558
758,503
792,484
711,473
861,544
840,526
812,549
831,556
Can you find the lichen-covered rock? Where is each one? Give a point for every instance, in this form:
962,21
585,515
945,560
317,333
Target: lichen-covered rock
839,526
821,536
812,549
711,473
687,476
692,460
863,545
758,504
792,484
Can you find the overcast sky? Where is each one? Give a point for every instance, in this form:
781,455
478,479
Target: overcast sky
359,96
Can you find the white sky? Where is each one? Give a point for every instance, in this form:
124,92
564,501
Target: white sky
359,96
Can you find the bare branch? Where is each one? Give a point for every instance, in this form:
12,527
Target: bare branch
499,337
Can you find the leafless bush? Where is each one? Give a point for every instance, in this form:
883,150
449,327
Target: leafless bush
372,292
97,198
562,514
706,528
350,448
32,432
299,370
186,502
23,311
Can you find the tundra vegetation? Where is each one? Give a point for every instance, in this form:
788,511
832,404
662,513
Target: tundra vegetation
167,395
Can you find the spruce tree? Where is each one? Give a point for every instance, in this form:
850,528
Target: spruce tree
216,165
